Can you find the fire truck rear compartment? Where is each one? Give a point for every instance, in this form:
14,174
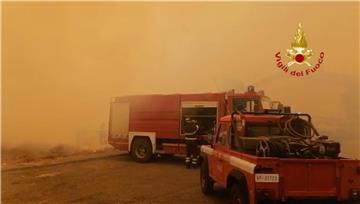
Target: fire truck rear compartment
309,179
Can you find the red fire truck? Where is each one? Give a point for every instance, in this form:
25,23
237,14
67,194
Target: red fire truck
271,156
145,125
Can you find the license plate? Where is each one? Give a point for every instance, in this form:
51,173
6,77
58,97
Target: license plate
267,178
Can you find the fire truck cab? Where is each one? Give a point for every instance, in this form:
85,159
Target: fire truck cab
253,174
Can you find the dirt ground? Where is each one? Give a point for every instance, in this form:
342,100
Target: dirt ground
112,179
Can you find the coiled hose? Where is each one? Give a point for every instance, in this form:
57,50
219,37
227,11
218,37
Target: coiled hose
289,129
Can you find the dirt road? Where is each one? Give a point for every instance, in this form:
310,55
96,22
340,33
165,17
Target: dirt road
113,179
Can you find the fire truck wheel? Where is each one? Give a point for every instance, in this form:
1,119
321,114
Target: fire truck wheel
206,182
237,194
141,150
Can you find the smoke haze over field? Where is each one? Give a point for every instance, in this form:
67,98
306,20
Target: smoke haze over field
62,62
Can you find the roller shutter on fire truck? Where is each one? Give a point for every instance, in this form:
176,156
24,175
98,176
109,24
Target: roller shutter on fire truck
119,120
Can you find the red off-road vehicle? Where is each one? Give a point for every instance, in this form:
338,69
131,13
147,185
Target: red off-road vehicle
267,157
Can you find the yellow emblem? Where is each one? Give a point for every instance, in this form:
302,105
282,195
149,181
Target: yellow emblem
299,52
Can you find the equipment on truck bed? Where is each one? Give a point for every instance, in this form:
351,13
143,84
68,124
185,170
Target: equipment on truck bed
281,135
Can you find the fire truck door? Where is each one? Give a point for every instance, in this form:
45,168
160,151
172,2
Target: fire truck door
220,154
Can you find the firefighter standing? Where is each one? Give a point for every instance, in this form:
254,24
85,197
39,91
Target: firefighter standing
191,141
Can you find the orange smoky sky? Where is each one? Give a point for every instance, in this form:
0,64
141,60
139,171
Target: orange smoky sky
63,61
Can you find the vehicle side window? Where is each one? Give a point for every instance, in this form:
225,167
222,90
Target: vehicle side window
222,135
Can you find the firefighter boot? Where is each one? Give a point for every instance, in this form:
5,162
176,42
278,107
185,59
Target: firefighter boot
194,162
187,162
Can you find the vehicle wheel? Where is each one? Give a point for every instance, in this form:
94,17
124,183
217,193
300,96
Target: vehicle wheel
141,150
238,195
206,182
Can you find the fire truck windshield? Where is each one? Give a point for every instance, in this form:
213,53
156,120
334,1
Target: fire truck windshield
246,105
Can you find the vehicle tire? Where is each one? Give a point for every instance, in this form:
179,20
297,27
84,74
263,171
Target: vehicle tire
141,150
206,182
238,195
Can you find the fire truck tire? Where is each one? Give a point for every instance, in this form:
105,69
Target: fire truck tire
238,195
141,150
206,182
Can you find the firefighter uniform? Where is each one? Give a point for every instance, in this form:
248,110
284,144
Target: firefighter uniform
191,142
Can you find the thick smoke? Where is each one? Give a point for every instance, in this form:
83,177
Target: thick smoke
62,62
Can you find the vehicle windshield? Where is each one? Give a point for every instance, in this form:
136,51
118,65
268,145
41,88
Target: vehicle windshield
246,105
266,102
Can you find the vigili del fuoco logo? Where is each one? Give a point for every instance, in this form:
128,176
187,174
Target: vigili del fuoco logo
299,54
